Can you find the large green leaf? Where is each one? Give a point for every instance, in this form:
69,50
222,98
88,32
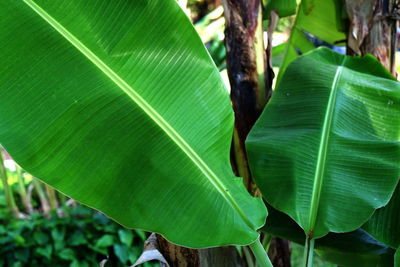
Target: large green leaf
326,149
384,225
356,248
397,258
118,105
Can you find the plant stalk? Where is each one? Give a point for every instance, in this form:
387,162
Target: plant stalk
266,241
308,252
287,47
63,198
22,191
51,193
260,254
249,257
42,196
7,190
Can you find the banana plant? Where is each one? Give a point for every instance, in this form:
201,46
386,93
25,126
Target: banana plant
118,105
326,149
111,108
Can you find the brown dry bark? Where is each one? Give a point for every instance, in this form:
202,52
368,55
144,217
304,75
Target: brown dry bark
372,29
177,256
249,78
279,252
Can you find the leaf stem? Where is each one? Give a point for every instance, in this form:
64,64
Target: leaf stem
309,252
287,47
260,254
266,241
248,256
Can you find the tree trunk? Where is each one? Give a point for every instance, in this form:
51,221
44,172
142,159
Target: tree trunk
250,87
178,256
372,29
250,76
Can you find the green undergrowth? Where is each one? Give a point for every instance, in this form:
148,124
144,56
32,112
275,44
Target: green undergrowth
81,237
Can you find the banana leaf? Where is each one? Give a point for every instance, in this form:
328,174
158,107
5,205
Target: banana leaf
353,249
118,105
384,225
326,149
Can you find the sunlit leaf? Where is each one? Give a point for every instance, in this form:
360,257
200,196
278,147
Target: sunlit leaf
118,105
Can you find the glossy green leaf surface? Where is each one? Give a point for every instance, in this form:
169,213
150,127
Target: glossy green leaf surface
384,225
397,258
118,105
326,149
353,249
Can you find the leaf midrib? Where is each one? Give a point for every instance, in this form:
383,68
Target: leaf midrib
323,150
144,105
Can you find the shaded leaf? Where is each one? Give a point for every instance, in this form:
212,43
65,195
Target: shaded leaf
77,239
105,241
67,254
126,236
355,248
100,250
141,234
77,263
122,252
384,225
40,237
58,234
346,259
22,255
